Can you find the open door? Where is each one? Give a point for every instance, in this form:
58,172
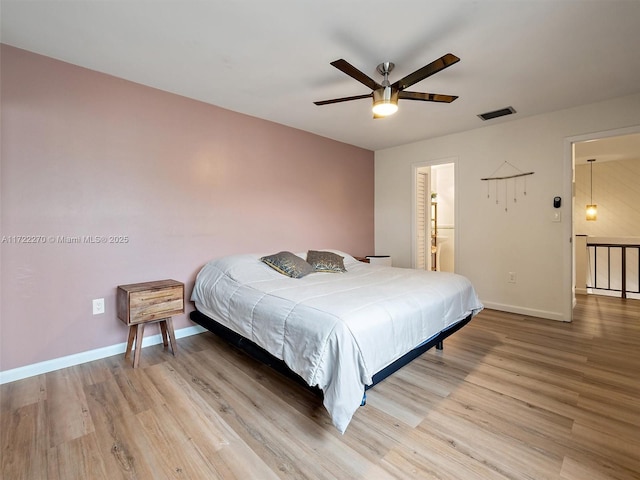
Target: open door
422,219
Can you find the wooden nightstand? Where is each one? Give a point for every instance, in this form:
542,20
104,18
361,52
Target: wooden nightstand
141,303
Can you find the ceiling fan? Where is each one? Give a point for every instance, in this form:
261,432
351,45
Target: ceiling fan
385,95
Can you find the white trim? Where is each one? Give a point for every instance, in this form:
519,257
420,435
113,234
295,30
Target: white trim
88,356
531,312
568,249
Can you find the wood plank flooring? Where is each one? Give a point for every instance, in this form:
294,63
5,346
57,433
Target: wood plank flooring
510,397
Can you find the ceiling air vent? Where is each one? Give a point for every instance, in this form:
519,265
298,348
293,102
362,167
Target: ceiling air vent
497,113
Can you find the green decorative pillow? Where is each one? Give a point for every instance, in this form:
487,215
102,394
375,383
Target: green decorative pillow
325,261
288,264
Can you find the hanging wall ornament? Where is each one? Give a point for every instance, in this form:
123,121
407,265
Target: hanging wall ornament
502,179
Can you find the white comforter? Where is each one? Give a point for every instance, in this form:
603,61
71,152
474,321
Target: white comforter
336,330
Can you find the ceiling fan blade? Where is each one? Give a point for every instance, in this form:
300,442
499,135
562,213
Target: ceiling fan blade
426,71
356,74
427,97
343,99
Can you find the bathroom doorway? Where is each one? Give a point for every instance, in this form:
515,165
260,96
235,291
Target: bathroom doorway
434,208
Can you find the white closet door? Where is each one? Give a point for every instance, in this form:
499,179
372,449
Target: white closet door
422,220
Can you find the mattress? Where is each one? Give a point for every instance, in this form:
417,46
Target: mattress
335,330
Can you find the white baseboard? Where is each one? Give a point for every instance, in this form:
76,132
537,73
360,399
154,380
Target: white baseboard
531,312
83,357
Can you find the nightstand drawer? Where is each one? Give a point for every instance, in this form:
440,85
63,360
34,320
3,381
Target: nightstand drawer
146,302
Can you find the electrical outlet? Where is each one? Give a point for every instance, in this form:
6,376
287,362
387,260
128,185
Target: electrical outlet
98,306
512,277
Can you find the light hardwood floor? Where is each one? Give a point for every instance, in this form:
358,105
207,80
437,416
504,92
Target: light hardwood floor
510,397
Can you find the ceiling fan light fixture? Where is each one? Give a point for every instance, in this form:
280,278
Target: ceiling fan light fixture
385,101
386,95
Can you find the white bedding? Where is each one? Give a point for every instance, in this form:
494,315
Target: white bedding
336,330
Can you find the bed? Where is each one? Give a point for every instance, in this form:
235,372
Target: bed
339,327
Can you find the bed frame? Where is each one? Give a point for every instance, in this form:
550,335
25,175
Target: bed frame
261,355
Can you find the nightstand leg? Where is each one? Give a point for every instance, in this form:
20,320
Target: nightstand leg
132,336
163,329
172,336
139,335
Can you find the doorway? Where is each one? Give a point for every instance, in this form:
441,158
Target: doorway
606,146
434,213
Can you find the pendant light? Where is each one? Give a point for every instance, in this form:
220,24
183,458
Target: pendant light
592,209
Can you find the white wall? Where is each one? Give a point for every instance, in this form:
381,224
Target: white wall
492,242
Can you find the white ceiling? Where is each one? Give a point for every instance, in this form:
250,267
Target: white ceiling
270,59
610,149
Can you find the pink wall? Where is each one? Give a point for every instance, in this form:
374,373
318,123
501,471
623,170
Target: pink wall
84,153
